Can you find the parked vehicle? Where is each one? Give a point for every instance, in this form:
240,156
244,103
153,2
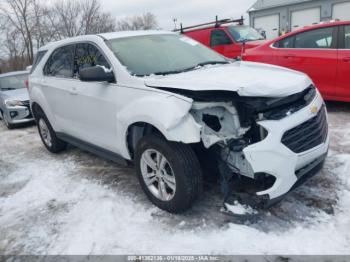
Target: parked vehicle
166,102
322,51
14,99
225,36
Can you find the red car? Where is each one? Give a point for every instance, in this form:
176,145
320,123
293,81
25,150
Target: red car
322,51
225,36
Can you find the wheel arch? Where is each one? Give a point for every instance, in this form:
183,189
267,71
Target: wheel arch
138,130
36,108
165,115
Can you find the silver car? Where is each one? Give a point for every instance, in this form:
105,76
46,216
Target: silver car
14,99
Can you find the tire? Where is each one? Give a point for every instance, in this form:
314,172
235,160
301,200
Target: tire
7,124
48,136
180,161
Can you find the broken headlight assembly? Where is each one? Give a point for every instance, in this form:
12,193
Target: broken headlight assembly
13,103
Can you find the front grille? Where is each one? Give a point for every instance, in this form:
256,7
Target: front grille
307,135
291,104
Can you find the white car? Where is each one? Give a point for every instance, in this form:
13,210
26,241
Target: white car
178,110
14,99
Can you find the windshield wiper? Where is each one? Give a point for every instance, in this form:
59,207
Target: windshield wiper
212,63
191,68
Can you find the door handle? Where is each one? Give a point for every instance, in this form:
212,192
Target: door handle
346,59
73,91
289,56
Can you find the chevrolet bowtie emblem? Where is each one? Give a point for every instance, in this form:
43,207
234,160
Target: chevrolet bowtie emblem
314,109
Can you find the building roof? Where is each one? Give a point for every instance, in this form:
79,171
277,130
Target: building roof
266,4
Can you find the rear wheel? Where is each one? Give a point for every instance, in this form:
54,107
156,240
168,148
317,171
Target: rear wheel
168,172
48,135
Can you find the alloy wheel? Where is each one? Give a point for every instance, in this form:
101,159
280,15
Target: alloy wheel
158,175
45,132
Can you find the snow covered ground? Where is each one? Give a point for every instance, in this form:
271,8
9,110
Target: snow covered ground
76,203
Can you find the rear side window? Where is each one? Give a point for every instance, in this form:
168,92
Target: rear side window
219,37
39,56
88,55
60,63
319,38
347,37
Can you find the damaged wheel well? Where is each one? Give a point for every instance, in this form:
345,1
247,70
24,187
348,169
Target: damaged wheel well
138,130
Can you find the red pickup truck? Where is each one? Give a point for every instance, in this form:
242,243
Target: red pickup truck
225,36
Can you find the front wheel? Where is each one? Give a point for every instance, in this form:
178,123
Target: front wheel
168,172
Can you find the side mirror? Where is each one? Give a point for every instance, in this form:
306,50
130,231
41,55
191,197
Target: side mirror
96,74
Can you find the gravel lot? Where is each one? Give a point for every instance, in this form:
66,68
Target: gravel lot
76,203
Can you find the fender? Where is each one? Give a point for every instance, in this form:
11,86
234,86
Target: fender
170,115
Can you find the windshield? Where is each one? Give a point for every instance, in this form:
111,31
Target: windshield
243,33
12,82
162,54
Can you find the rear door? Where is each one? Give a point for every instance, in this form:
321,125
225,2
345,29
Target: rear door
313,52
57,85
221,42
343,76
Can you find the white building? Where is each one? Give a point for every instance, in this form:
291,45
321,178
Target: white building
278,16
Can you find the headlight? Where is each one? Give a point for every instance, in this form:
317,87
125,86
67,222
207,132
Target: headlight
12,103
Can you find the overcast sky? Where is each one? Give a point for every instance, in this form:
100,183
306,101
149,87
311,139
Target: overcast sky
186,11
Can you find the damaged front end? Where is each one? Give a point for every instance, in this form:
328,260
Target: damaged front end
231,124
260,147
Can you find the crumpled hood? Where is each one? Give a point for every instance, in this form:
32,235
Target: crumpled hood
18,94
246,78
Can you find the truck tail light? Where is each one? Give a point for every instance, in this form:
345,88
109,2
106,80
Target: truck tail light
26,83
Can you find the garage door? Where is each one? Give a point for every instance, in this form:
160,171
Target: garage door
270,24
341,11
305,17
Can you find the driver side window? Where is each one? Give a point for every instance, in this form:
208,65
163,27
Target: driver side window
219,37
88,55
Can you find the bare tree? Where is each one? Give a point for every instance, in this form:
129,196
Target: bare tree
26,25
19,14
45,25
146,21
82,17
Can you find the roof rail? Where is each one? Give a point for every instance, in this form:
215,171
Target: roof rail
216,23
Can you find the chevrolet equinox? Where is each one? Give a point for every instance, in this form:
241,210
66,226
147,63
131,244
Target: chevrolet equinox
180,112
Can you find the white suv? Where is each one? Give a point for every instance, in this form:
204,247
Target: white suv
178,111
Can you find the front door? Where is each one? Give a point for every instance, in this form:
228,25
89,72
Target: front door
312,52
95,106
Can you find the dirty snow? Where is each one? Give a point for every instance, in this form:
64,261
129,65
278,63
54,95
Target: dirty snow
239,209
76,203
